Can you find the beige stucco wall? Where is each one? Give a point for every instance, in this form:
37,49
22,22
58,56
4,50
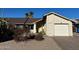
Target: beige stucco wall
40,25
40,29
34,28
51,20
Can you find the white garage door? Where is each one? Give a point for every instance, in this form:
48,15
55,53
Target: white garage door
61,30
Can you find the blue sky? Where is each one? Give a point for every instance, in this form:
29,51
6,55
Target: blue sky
71,13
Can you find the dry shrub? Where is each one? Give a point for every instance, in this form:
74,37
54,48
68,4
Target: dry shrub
20,35
23,35
30,36
39,37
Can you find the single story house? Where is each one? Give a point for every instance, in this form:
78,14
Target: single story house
54,24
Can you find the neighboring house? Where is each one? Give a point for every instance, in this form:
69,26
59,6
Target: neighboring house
19,23
76,25
3,22
31,24
16,22
54,24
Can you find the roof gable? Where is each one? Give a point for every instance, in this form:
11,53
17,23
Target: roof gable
57,15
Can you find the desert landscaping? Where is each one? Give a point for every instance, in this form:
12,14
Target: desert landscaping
49,43
52,31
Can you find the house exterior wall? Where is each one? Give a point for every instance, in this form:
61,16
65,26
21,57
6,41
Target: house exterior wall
51,20
40,26
34,29
20,26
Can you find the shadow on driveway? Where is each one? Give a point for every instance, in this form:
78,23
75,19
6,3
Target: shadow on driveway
68,43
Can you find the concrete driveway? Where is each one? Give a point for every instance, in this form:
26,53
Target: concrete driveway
68,43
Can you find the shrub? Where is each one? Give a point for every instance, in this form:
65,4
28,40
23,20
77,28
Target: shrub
6,35
39,36
30,36
42,32
21,37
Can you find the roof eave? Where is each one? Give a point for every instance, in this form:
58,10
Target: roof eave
57,15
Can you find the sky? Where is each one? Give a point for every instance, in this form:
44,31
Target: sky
71,13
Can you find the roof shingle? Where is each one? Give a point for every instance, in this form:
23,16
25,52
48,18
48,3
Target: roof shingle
22,20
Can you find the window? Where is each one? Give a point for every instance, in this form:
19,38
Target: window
19,26
31,26
78,25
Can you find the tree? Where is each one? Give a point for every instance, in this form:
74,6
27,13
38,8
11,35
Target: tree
29,14
26,15
3,25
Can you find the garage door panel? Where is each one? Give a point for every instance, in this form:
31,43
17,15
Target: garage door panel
61,30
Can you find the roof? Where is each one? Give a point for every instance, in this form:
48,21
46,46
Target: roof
21,20
3,20
57,15
32,20
76,21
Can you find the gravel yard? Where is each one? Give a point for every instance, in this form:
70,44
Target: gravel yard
46,44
